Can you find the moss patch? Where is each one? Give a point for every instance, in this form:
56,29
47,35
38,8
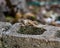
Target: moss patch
31,30
58,33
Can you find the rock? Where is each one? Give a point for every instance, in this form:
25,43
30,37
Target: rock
13,39
4,26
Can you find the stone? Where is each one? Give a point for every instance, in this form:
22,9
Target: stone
12,39
4,26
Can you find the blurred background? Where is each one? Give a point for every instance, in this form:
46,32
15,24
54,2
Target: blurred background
42,11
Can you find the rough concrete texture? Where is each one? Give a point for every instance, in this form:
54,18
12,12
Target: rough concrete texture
49,39
4,26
